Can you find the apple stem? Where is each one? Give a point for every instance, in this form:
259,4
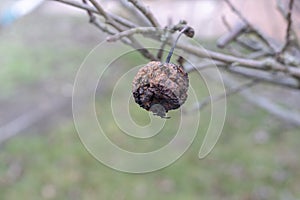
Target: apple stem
174,45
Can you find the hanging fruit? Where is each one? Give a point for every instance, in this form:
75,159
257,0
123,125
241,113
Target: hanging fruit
159,87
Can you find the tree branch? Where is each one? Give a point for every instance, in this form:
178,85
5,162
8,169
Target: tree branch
134,43
228,93
146,12
267,64
279,80
248,44
288,34
100,10
165,37
102,26
260,65
130,32
259,34
108,19
135,13
232,35
117,18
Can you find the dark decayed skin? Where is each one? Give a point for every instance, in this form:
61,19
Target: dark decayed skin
163,84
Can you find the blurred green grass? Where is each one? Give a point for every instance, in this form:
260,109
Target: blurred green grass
55,164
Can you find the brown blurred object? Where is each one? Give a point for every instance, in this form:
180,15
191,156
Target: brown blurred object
160,87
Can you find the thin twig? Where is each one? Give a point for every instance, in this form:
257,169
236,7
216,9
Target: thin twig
140,48
146,12
117,18
206,64
225,22
257,55
283,81
232,35
228,93
93,20
135,13
259,34
100,9
103,27
235,51
288,34
241,41
90,13
134,43
252,45
284,13
165,37
108,19
237,12
130,32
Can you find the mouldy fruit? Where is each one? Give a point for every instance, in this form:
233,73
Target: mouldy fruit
160,87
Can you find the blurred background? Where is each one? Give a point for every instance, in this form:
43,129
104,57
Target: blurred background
42,157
